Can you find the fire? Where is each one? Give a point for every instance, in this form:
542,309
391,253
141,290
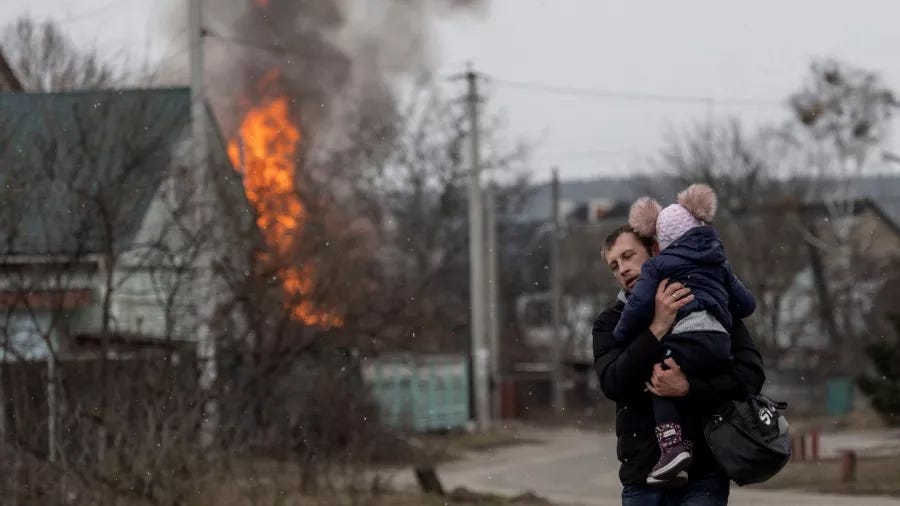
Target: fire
265,152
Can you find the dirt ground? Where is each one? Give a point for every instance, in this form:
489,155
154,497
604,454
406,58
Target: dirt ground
876,475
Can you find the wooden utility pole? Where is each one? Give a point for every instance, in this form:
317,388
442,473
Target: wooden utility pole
558,394
206,344
479,351
493,306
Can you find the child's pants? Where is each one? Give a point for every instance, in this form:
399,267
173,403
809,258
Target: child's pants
699,355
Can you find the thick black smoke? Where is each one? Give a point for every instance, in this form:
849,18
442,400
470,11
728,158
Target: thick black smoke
329,55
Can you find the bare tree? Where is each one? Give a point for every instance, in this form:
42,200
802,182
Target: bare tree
740,166
723,155
380,254
842,121
796,186
44,59
417,183
97,279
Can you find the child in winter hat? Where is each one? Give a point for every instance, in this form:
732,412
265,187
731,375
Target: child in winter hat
692,254
696,207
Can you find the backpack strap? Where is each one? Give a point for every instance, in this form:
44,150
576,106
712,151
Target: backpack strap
779,405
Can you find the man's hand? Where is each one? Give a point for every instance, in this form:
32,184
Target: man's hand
669,382
669,299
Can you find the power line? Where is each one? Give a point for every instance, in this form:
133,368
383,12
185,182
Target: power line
624,95
289,52
527,86
171,51
247,43
272,48
593,153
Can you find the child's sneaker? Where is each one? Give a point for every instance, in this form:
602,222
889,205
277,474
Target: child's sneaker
674,453
679,480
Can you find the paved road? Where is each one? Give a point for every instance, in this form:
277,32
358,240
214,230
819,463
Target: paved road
868,443
579,467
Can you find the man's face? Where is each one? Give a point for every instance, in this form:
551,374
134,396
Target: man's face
625,259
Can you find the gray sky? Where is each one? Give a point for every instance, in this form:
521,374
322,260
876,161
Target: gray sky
720,50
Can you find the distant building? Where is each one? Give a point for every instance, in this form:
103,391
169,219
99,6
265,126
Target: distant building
793,321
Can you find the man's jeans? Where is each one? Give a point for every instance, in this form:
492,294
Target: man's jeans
709,491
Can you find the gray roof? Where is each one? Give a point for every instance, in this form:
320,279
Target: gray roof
883,191
539,206
80,168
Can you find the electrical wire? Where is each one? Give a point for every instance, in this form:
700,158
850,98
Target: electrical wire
631,96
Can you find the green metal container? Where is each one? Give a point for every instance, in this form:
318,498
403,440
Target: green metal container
839,396
420,392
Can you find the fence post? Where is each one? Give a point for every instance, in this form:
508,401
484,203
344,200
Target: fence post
802,446
2,397
51,407
814,445
848,466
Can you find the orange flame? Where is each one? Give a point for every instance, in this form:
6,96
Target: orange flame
267,161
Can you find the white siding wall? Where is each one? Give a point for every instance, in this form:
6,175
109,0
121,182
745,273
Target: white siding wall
145,279
26,334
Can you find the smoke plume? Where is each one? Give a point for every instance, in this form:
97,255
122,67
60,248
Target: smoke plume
327,54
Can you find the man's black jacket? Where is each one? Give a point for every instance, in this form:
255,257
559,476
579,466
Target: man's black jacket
622,370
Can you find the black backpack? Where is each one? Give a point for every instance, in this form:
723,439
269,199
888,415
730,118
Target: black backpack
750,439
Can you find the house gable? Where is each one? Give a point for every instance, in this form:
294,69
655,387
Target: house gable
81,168
8,79
90,135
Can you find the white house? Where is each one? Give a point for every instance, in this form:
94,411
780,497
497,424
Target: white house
102,239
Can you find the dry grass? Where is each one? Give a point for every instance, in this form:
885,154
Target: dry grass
495,438
262,481
266,482
459,497
454,445
874,476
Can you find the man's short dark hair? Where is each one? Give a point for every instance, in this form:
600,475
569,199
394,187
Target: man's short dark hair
613,236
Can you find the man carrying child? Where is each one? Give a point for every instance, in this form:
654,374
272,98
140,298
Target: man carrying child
637,365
